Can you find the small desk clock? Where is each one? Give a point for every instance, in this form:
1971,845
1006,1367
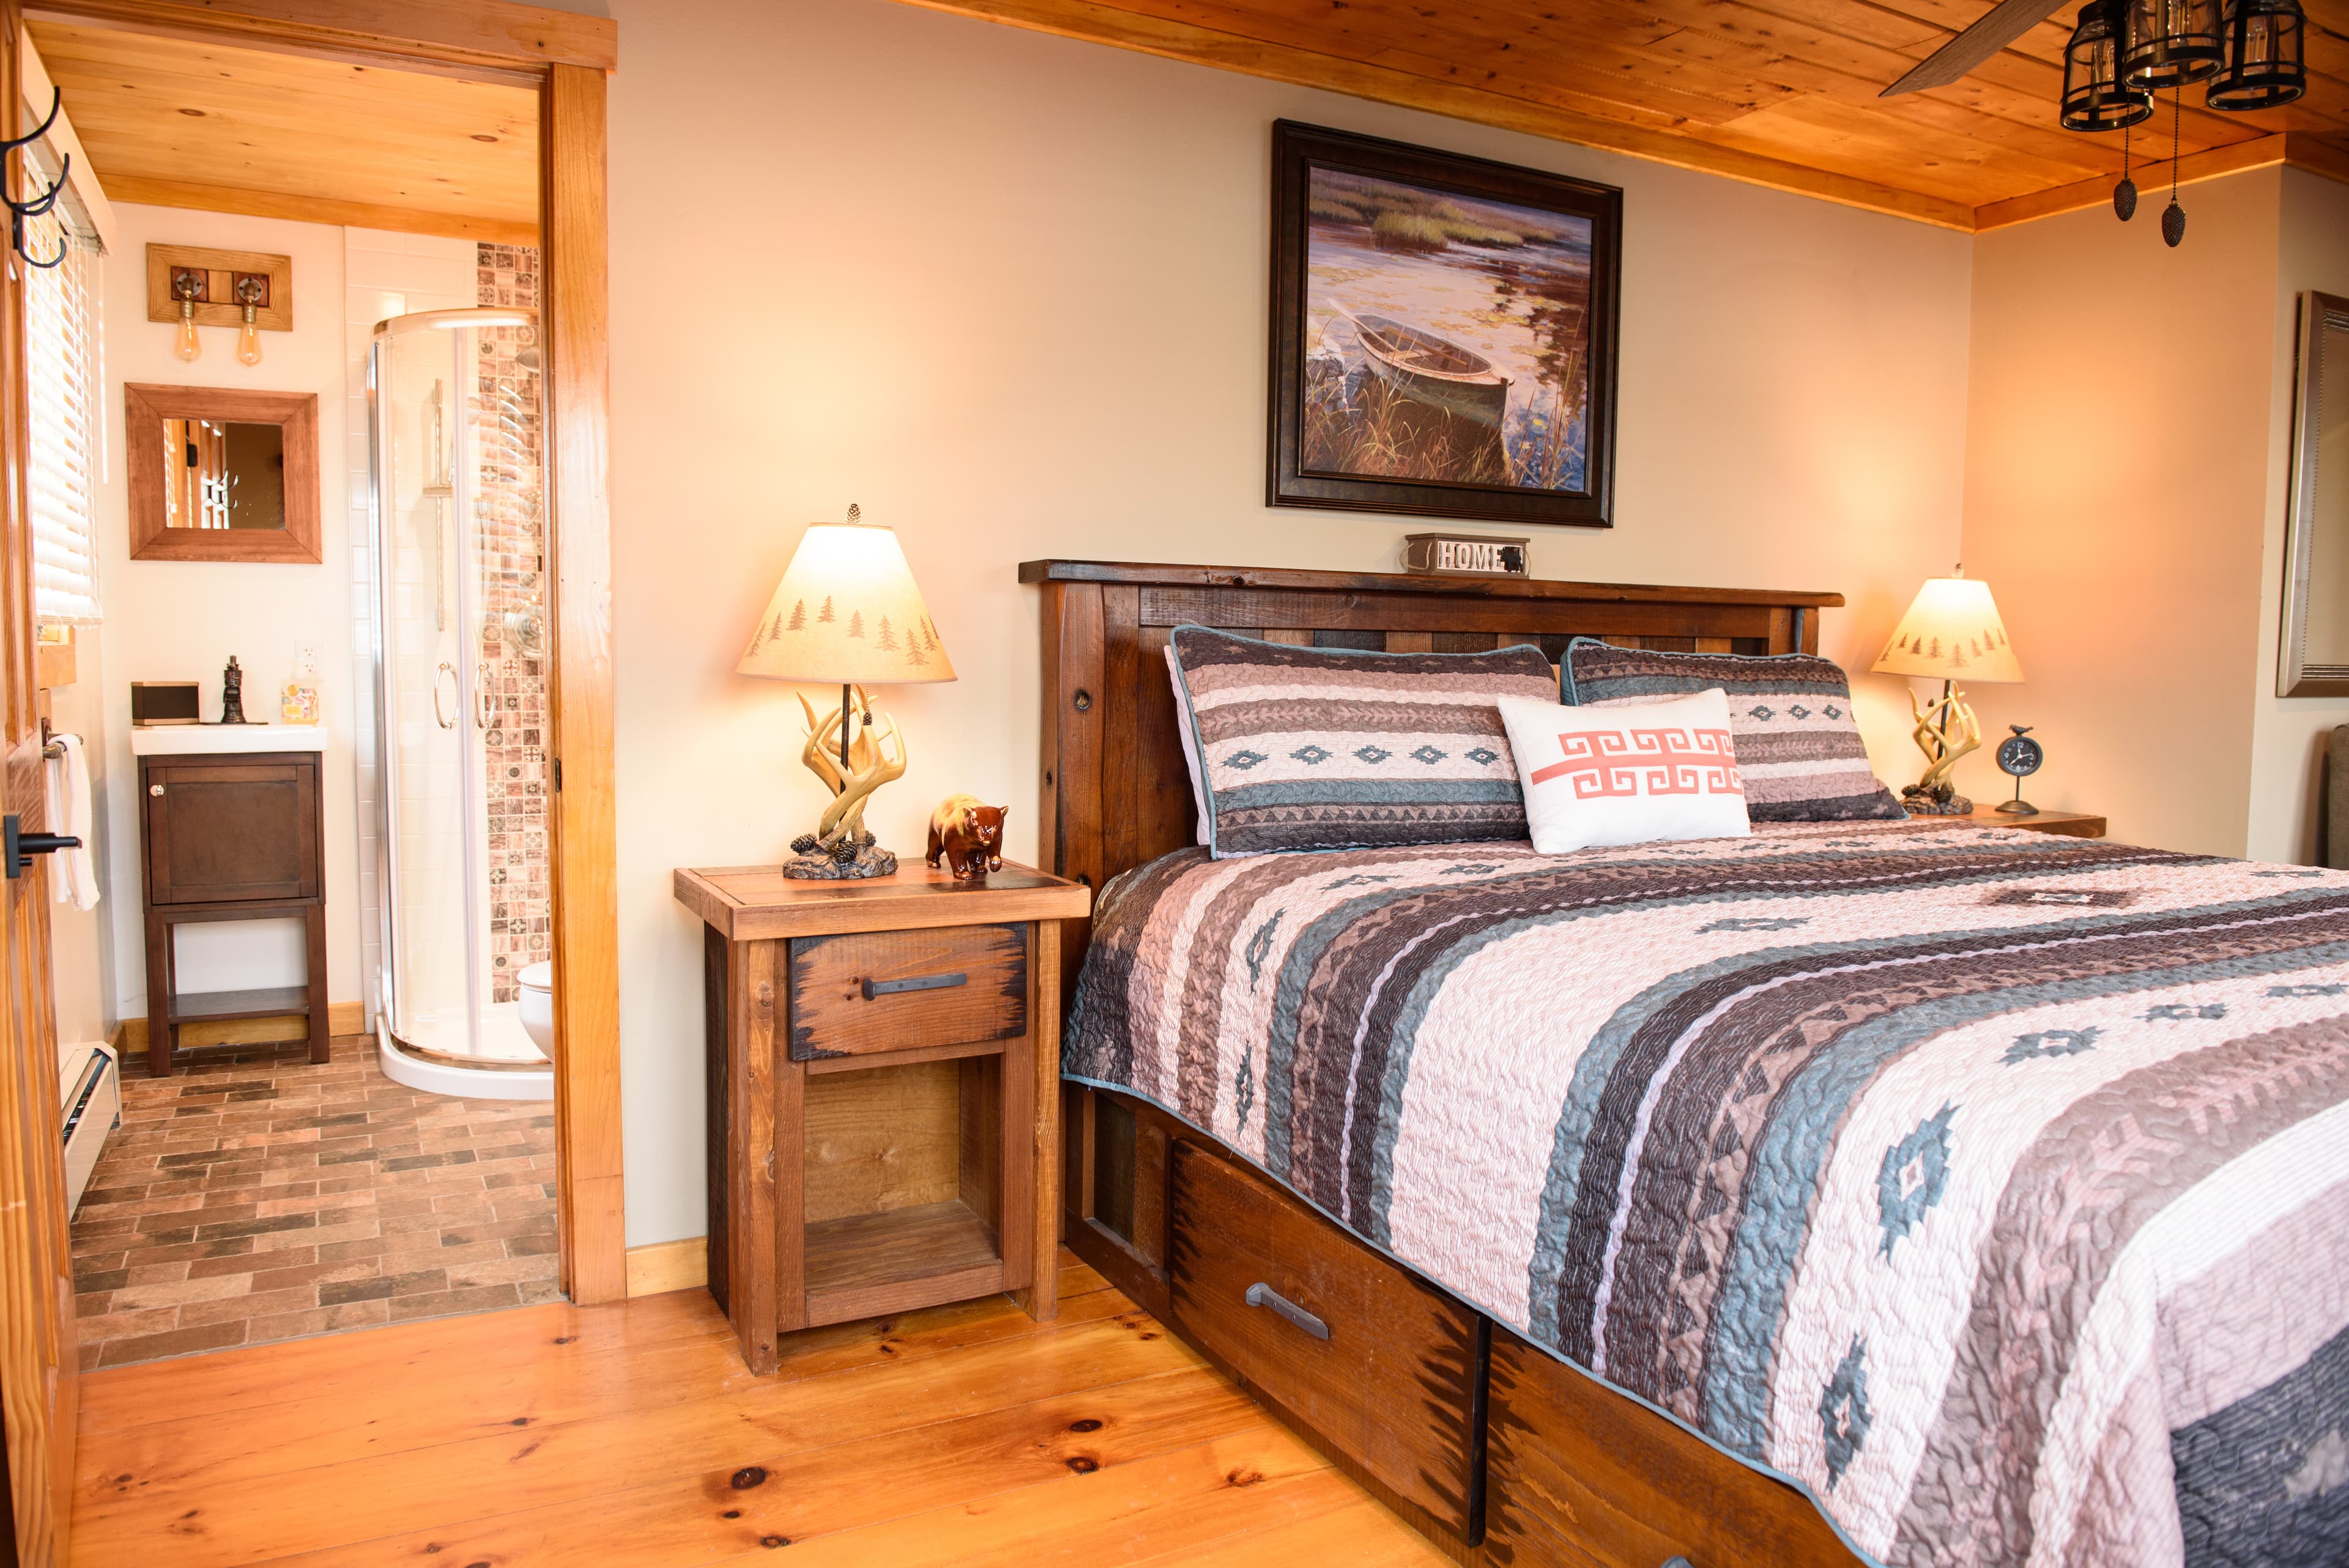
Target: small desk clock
2018,754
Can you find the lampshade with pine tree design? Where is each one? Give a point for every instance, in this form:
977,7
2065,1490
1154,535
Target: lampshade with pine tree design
1953,632
847,612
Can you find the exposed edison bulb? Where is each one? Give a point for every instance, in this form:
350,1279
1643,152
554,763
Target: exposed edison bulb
187,346
248,340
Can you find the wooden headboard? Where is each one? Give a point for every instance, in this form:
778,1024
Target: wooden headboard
1116,793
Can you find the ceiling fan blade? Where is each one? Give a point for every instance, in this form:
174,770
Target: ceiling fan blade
2009,21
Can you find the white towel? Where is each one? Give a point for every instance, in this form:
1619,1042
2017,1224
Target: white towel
70,813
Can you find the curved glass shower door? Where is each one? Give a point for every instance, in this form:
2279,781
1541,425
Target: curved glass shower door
460,625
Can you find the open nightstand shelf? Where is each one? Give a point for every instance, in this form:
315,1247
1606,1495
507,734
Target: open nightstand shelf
883,1072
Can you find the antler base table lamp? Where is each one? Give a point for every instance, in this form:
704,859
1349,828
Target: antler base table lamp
1952,630
847,613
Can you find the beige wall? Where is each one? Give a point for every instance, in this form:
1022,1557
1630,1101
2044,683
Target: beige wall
1008,293
2117,479
179,620
2289,735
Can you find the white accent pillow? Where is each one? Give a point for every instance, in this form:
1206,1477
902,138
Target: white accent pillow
1639,772
1190,746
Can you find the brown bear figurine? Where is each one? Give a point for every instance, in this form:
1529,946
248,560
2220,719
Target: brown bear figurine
970,835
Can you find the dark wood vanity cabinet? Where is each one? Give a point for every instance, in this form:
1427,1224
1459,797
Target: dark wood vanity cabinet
231,828
231,837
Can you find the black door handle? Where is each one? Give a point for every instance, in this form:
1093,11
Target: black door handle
21,847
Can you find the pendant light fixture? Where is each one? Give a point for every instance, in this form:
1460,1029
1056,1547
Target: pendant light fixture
2263,67
2173,217
2094,97
2170,43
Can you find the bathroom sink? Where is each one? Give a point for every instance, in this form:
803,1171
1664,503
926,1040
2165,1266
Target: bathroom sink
189,739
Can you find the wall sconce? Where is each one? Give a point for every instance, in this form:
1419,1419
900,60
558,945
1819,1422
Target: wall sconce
187,287
252,289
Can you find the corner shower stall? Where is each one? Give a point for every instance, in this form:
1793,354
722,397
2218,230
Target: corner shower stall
458,606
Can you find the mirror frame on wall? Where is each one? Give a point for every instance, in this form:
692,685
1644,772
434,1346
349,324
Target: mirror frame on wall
145,406
2295,675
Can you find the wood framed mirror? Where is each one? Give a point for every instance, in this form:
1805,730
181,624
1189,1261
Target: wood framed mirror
220,474
2316,653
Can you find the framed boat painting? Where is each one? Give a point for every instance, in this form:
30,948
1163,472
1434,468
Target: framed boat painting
1443,333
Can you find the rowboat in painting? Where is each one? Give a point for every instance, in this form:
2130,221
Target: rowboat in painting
1434,371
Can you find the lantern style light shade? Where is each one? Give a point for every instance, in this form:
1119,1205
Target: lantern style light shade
2170,43
1951,632
847,613
2264,68
2093,96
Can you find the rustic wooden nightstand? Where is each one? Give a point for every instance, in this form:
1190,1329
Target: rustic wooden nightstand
2066,824
884,1092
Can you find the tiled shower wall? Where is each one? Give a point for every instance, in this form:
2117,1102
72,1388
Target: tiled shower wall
510,420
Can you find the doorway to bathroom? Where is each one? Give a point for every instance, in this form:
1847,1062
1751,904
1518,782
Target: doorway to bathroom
251,1186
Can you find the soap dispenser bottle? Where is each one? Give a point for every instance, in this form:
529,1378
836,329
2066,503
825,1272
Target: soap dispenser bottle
298,703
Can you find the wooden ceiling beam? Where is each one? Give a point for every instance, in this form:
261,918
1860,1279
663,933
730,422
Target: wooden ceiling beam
479,38
200,198
2297,149
1778,93
1196,45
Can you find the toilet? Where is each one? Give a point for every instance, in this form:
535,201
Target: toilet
537,1006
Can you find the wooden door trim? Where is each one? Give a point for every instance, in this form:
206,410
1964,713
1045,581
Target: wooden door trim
514,42
39,1361
574,270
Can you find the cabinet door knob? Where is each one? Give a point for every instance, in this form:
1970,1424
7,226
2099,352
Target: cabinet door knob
154,789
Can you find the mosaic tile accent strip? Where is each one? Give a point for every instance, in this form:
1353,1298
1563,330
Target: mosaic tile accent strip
508,417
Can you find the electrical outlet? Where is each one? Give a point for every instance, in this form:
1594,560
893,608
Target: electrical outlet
306,660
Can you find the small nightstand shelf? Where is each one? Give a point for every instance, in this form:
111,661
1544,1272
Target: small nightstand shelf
883,1074
2063,824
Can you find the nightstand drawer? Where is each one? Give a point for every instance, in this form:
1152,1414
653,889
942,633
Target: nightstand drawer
898,991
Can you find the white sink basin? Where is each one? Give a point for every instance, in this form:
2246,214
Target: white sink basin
188,740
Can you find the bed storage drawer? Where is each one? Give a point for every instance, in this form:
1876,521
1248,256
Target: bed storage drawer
1580,1474
1388,1371
895,991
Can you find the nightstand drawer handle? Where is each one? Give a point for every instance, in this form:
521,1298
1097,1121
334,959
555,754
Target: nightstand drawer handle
1264,1295
873,988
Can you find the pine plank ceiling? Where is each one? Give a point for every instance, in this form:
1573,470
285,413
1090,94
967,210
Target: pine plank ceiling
170,121
1778,92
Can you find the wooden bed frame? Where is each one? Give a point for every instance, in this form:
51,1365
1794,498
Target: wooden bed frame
1493,1449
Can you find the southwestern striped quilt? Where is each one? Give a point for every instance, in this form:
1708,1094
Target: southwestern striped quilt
1992,1186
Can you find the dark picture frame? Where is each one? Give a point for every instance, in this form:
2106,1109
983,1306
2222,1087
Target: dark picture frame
1295,471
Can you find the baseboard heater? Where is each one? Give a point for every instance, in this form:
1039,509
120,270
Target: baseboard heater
92,1082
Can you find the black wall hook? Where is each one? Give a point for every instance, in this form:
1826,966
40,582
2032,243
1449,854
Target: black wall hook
47,199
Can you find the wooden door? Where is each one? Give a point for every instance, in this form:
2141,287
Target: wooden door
39,1397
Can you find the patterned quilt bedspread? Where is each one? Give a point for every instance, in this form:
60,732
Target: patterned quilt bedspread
1992,1186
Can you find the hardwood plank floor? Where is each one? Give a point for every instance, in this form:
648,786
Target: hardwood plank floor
630,1436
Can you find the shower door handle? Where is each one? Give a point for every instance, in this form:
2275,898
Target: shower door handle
485,702
439,710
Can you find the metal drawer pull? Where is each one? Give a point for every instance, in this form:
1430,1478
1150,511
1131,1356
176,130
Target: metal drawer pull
1264,1295
1675,1562
873,988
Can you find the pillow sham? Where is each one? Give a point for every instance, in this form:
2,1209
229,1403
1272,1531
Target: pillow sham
1631,772
1190,748
1798,747
1326,748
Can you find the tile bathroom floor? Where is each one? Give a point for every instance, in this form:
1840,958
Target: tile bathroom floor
260,1197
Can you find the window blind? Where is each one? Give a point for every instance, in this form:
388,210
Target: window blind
61,321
